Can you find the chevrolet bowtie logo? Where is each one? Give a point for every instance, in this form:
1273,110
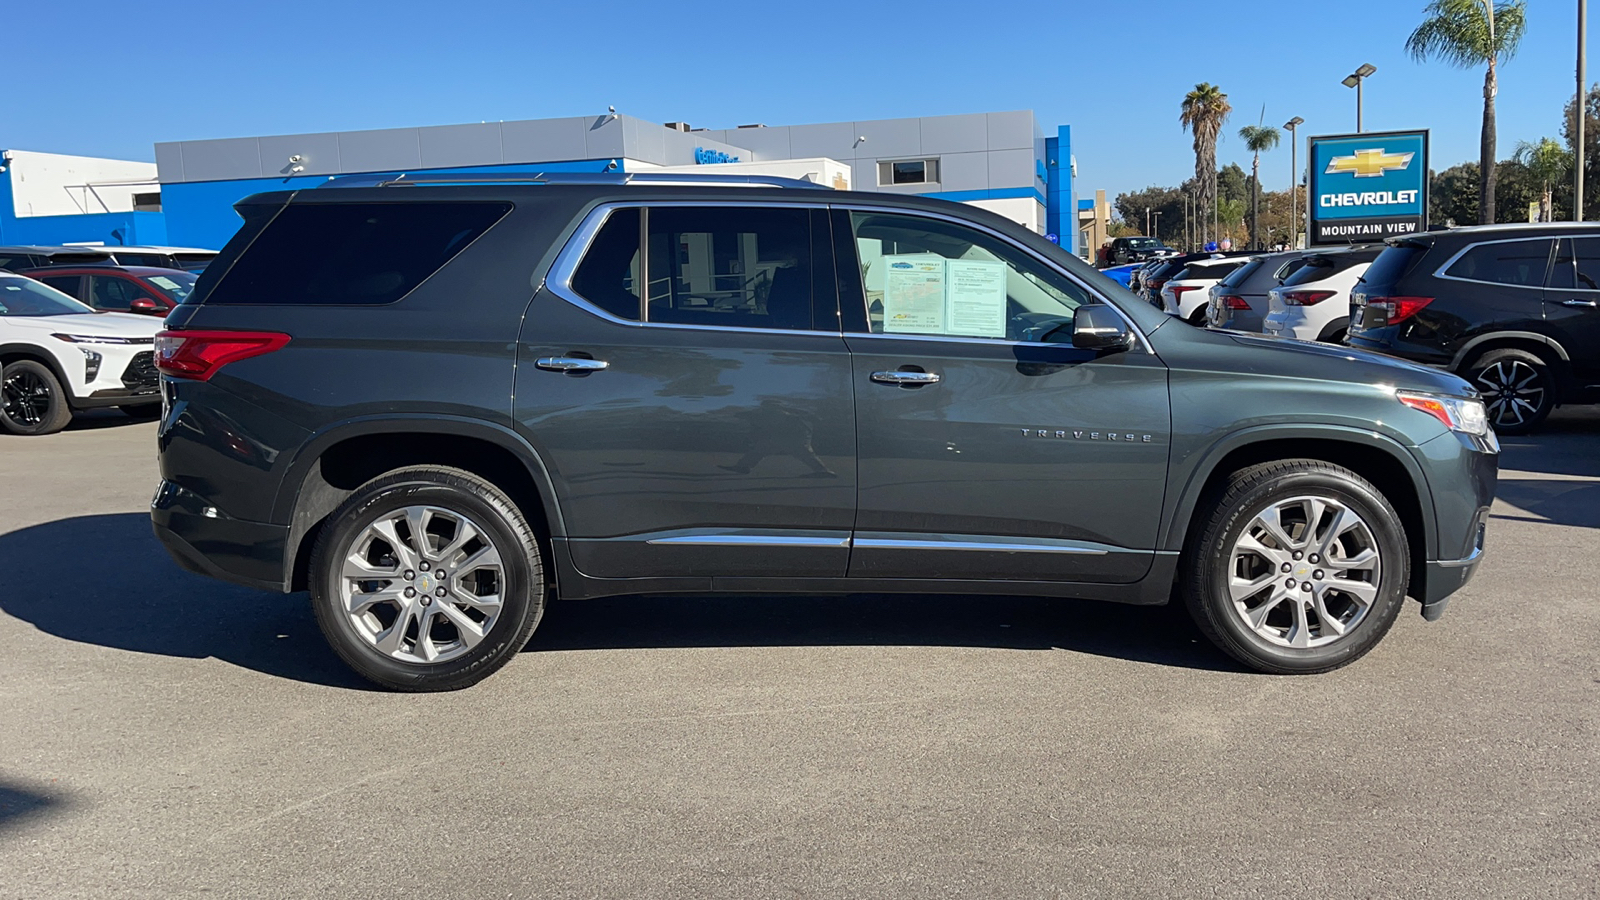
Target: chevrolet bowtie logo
1368,163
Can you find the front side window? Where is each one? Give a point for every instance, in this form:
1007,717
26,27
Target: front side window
932,277
746,267
25,297
66,284
108,292
1577,265
1518,263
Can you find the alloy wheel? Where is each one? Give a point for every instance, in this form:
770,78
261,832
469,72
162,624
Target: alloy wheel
25,397
422,584
1304,572
1513,391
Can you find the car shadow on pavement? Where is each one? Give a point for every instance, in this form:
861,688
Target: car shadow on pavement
1162,635
1566,449
97,419
106,580
20,803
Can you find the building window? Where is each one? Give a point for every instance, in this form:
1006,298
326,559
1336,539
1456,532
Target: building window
909,171
150,202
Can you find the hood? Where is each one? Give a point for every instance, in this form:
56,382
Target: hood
124,325
1331,362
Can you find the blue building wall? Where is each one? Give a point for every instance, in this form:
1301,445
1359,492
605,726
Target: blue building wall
1061,217
107,228
200,213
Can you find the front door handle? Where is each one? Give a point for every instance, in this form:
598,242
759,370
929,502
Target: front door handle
570,364
1579,304
905,377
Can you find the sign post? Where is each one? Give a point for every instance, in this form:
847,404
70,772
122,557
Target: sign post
1367,187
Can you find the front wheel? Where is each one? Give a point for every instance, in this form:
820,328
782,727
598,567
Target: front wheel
31,399
1301,567
427,579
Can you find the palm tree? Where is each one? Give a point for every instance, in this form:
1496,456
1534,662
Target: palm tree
1256,139
1467,33
1204,110
1549,162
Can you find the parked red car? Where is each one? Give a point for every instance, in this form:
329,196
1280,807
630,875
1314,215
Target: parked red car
136,289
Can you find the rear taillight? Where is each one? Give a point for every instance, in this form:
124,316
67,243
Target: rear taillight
197,355
1398,309
1305,298
1232,301
1179,290
1156,284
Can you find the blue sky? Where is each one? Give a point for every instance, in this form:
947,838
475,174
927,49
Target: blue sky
104,79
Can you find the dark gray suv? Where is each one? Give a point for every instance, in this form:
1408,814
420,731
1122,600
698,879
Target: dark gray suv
438,406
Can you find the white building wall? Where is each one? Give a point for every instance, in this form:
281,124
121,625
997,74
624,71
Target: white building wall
1025,211
52,184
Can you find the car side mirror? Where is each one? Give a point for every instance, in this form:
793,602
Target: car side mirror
144,305
1101,328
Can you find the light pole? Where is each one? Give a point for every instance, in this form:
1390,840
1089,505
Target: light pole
1157,226
1294,180
1147,220
1354,79
1582,109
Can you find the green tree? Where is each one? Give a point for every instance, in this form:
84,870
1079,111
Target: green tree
1257,138
1203,113
1548,162
1591,149
1453,195
1469,33
1161,207
1233,183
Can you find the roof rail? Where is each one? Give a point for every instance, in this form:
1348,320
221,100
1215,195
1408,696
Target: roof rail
403,179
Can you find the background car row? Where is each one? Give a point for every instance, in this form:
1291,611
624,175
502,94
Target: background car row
1513,309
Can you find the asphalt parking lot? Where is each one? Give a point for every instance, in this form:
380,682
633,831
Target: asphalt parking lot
169,736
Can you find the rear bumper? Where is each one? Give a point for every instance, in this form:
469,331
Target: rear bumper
204,541
117,397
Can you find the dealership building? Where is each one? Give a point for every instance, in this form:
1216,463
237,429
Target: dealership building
1001,161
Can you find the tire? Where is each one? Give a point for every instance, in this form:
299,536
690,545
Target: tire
399,632
1518,387
143,412
1198,317
31,399
1273,627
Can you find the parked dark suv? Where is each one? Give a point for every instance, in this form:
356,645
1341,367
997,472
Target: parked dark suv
437,406
1513,309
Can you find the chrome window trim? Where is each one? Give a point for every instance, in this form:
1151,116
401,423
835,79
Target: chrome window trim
559,280
1553,241
871,540
1141,338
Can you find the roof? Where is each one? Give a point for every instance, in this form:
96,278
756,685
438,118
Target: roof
49,250
141,271
155,248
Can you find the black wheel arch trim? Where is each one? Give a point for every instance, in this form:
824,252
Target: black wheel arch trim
312,450
1175,529
1466,351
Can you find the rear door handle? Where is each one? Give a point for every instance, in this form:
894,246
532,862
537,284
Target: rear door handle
1576,303
905,377
570,364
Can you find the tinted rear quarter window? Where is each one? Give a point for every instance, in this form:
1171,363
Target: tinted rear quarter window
360,254
1520,263
1238,276
1393,264
1317,268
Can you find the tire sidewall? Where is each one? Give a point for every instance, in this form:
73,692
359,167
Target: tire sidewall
55,418
522,594
1386,529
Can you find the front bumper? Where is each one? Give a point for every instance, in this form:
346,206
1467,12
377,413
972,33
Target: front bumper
203,540
1462,472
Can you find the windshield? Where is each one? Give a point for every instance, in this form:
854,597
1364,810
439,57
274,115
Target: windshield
175,285
25,297
1143,243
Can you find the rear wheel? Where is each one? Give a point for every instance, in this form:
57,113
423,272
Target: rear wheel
1518,388
427,579
31,399
1301,567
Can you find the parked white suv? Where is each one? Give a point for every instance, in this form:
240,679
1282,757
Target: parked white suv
58,356
1185,295
1313,304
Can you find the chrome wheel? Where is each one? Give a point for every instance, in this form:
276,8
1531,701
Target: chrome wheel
26,398
1513,390
422,584
1304,572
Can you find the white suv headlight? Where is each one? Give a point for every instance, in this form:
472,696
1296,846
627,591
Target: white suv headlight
1456,413
101,339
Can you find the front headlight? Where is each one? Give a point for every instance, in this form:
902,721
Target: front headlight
101,339
1455,413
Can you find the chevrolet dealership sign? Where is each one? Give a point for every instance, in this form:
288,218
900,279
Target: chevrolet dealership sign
1366,187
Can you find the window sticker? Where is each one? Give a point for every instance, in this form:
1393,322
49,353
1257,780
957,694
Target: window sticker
914,294
975,292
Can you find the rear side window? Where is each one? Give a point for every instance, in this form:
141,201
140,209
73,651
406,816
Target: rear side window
741,267
361,254
1317,268
1520,263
